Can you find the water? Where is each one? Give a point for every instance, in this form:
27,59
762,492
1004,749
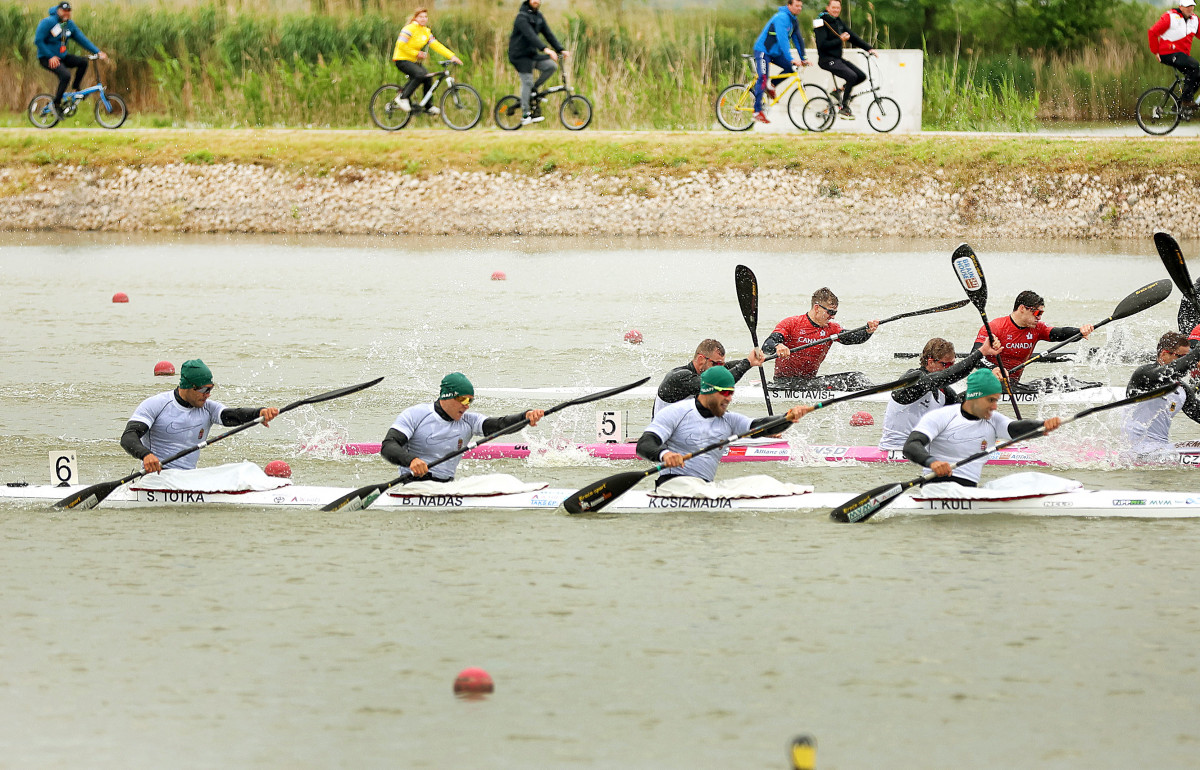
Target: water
234,637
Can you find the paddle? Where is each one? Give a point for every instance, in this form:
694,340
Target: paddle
95,494
1173,261
594,497
844,332
970,275
747,294
363,496
869,503
1143,299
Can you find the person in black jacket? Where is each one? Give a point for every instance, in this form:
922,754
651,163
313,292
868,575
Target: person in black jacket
526,52
831,32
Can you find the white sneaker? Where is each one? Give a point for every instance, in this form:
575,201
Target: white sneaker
433,110
527,119
404,105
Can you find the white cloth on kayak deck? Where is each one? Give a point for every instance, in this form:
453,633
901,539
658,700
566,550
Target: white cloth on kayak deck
234,477
742,488
953,437
1011,487
683,429
175,427
487,485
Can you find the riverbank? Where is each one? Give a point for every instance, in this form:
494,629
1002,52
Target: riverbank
622,183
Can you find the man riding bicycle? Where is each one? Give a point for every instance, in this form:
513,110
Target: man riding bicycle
775,46
526,52
410,50
51,37
831,34
1171,41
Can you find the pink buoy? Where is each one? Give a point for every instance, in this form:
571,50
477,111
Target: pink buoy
859,419
120,297
499,276
633,337
473,681
164,369
278,469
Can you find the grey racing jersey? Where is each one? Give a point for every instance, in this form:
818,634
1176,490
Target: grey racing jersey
685,427
949,434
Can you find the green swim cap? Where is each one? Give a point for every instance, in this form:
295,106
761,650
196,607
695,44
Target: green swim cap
716,378
456,384
982,383
194,374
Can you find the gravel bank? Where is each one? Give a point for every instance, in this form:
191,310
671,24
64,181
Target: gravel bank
253,199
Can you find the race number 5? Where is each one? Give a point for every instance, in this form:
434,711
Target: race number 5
610,427
63,468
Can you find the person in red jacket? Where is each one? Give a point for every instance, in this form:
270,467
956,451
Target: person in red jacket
1020,331
1171,41
799,370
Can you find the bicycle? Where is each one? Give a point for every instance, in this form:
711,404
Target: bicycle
461,106
575,112
883,113
1159,111
110,108
735,104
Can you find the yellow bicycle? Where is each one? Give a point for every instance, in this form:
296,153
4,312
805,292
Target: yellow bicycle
808,105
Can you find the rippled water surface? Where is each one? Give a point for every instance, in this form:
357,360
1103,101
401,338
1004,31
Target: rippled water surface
240,637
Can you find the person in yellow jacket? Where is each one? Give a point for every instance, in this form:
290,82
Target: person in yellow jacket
410,51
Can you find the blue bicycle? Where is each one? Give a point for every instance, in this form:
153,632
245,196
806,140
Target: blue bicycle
110,108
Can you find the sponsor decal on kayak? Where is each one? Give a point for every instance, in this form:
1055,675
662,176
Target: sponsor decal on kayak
1189,459
1058,504
1146,502
688,502
542,501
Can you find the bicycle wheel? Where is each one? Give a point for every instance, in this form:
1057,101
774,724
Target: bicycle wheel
41,111
575,113
384,110
735,108
462,107
508,113
1158,111
115,115
883,114
819,114
796,102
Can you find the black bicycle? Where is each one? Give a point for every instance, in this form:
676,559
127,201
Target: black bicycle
1159,110
575,112
883,113
461,106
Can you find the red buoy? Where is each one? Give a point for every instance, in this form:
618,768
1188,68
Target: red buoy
278,469
1195,335
472,681
633,337
499,276
859,419
120,297
164,369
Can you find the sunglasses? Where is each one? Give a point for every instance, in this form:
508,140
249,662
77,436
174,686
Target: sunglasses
205,390
831,313
464,400
713,362
1037,313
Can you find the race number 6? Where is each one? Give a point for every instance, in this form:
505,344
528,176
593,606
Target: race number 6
64,469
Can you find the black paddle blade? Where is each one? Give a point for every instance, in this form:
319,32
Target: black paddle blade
333,394
747,294
970,274
356,500
1173,261
867,504
90,497
594,497
1143,299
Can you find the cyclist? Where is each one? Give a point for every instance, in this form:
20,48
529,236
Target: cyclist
831,33
51,37
775,46
526,52
410,49
1171,41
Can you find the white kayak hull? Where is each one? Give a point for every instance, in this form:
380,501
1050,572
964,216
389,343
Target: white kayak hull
1113,503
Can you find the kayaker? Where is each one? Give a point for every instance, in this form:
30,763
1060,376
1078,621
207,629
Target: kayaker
1147,424
799,370
684,381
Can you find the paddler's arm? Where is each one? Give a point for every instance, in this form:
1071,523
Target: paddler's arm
1184,365
1021,427
679,384
739,368
393,450
1060,333
131,442
916,449
650,447
1191,407
774,344
233,417
860,336
493,424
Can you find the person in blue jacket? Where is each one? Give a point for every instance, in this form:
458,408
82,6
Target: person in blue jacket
780,44
51,38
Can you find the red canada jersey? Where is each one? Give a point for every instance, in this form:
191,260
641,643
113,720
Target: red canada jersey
800,330
1018,343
